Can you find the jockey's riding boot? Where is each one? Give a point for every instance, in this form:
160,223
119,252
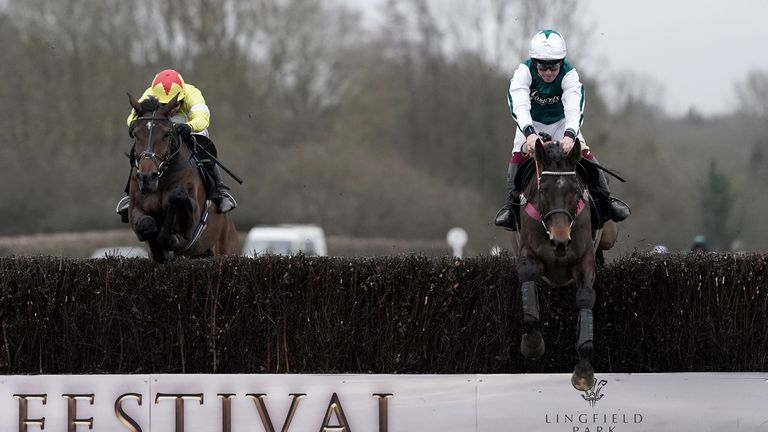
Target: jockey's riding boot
122,208
220,195
124,204
618,210
509,215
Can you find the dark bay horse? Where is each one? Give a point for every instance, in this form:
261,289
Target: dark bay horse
169,208
557,247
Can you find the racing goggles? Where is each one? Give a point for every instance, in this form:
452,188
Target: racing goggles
548,65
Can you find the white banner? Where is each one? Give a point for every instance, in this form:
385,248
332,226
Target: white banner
382,403
677,402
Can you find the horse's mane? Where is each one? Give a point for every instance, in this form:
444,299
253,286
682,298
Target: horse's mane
148,105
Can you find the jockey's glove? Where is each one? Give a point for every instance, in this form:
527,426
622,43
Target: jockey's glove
567,144
183,129
530,143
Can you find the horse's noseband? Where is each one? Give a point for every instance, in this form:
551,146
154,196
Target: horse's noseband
155,158
551,213
161,162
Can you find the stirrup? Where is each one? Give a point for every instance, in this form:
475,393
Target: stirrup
625,209
122,208
122,205
226,202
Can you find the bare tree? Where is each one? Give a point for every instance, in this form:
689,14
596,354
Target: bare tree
497,30
753,93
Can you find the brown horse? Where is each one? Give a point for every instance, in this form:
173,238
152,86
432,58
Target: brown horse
557,247
169,208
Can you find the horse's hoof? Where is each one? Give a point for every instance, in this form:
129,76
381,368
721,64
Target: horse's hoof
146,228
532,346
162,256
169,243
178,196
583,377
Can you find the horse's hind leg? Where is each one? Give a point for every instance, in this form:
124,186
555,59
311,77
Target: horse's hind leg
159,254
532,344
608,235
584,374
228,243
600,258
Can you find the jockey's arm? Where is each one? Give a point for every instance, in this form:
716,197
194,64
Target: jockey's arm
573,102
199,117
519,97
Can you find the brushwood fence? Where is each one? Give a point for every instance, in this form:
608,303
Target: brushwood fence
406,314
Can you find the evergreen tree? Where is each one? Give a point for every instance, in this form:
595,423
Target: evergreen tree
717,200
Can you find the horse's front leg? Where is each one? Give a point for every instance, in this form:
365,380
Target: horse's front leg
529,274
176,211
584,276
147,229
144,226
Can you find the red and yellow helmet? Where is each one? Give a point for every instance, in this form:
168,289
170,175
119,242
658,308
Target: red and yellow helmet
166,85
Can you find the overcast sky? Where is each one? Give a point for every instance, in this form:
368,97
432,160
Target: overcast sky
695,50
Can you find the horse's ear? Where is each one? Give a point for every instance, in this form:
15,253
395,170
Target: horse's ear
538,150
576,152
134,103
170,106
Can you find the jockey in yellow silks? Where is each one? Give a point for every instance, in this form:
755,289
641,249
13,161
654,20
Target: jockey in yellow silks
192,116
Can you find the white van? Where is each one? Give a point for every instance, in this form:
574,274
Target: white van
285,240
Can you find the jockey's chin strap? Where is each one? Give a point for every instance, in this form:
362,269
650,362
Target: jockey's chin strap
533,212
161,162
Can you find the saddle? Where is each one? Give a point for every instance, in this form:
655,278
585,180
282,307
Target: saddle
588,173
204,144
202,147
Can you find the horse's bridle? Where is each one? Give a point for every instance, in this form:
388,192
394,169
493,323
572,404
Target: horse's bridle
571,216
160,162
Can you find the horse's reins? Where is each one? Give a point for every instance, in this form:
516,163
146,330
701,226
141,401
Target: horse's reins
160,162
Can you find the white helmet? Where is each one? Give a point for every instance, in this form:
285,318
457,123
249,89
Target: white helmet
547,45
